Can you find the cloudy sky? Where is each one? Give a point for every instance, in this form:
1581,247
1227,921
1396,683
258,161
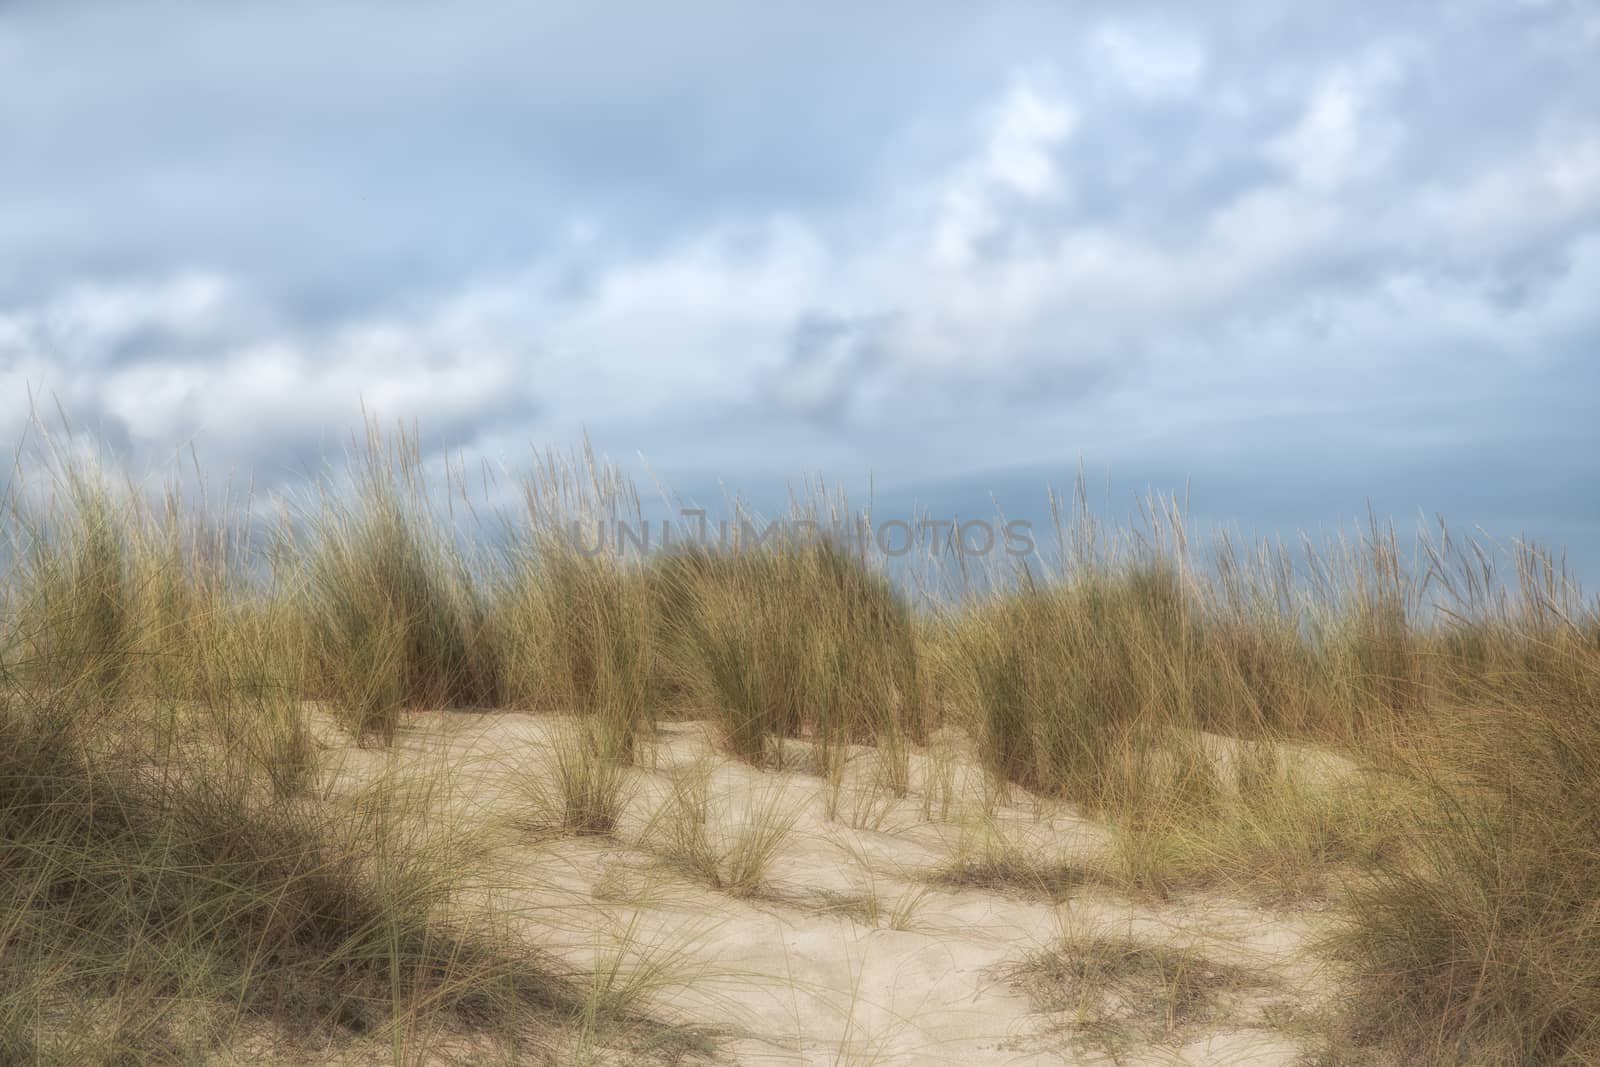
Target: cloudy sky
1300,256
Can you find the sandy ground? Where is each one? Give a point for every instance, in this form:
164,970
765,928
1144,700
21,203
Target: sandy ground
851,951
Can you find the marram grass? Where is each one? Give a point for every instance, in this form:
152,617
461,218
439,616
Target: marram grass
172,879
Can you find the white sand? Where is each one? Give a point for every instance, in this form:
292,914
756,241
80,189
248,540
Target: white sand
791,982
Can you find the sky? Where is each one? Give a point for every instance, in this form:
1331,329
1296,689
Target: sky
1297,260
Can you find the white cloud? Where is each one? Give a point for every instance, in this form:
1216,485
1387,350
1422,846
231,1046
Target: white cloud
1148,59
1345,132
710,324
1277,236
1016,160
214,366
1551,187
1029,125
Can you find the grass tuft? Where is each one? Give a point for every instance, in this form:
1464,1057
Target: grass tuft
1115,989
728,850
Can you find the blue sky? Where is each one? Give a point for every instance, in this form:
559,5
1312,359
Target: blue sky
1300,256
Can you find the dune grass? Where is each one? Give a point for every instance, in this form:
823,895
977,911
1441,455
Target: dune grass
797,640
724,844
1270,824
169,863
1108,990
587,786
193,910
1480,942
573,630
172,883
393,617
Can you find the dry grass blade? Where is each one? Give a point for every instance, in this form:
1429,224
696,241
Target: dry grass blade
726,846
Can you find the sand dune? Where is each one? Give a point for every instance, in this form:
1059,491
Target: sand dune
859,944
